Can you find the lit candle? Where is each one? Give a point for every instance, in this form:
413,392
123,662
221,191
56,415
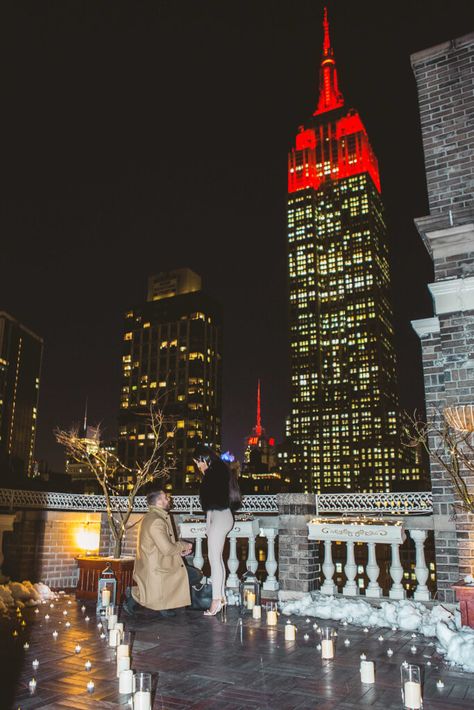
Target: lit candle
55,635
440,685
389,652
67,624
99,625
123,649
90,686
46,616
37,611
126,682
83,608
290,632
306,637
272,619
367,672
77,648
26,645
413,649
257,612
327,648
35,664
250,600
347,642
32,685
123,664
64,612
51,606
114,638
87,665
105,597
412,695
142,700
102,636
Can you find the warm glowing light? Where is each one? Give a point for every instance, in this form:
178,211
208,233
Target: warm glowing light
88,537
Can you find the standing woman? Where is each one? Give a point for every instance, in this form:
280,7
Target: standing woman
220,497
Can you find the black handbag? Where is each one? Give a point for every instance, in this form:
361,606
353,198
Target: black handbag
201,596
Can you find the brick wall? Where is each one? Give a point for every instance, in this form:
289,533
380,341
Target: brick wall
444,76
444,80
43,545
129,545
298,560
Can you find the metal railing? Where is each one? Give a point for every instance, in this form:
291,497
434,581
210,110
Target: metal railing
344,503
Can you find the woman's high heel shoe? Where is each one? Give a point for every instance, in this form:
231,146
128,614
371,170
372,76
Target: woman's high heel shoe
218,608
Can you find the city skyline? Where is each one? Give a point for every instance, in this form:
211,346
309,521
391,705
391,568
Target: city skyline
100,144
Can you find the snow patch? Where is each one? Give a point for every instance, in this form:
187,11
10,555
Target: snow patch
457,644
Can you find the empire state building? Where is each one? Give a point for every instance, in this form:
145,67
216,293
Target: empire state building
344,423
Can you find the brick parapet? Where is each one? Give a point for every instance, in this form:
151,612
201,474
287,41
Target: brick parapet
299,567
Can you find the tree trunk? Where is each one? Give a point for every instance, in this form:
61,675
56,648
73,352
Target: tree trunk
117,548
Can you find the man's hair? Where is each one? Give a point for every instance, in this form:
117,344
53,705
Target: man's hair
153,493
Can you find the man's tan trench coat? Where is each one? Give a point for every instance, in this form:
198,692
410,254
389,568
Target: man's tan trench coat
160,574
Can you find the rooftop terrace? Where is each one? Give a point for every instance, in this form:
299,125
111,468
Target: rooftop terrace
209,663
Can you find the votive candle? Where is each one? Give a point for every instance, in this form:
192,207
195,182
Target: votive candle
257,612
367,672
290,632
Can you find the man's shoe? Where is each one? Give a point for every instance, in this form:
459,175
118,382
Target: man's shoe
167,613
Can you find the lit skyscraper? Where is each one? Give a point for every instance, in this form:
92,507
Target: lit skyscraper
172,358
20,364
345,419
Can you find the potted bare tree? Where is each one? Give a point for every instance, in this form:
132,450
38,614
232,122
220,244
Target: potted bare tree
120,484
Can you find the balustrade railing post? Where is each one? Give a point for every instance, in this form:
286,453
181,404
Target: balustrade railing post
198,559
350,569
271,565
373,571
252,563
396,573
232,562
422,592
328,568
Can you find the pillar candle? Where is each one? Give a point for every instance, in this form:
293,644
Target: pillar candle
114,637
126,682
327,648
367,672
290,632
105,597
123,649
257,612
272,618
250,600
123,664
119,626
412,695
142,700
111,621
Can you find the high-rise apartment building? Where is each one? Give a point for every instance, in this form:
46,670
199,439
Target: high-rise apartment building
20,365
172,358
345,419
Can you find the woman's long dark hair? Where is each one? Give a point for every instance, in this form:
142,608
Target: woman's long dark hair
205,453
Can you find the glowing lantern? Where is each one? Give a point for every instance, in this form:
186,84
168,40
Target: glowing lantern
88,538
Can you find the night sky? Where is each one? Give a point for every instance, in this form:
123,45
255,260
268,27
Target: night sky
143,136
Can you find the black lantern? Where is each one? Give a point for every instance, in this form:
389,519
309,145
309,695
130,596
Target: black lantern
106,590
249,591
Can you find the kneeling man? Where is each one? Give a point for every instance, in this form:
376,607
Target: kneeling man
160,572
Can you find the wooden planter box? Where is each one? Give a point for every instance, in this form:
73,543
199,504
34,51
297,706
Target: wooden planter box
89,573
465,596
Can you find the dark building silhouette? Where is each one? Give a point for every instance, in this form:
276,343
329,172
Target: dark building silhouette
20,366
345,421
172,358
260,472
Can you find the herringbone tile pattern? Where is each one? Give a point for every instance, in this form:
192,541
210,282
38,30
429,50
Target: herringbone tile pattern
209,664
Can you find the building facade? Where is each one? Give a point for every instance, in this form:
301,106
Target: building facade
20,367
345,421
172,359
444,76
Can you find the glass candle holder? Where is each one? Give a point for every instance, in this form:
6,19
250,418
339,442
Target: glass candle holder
142,694
123,649
111,616
272,617
411,686
327,643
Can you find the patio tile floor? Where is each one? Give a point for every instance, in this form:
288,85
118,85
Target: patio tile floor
208,664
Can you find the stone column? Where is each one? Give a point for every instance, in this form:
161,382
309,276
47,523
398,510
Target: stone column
299,568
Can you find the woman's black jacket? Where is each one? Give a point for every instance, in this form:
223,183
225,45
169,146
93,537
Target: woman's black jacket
214,490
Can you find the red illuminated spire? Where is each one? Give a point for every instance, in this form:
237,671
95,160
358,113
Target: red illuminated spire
258,427
329,95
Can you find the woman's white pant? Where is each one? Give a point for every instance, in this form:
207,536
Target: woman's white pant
219,524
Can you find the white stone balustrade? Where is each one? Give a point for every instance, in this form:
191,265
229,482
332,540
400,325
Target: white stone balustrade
248,528
373,532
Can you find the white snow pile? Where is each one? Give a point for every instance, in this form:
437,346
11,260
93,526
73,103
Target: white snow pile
20,594
456,644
